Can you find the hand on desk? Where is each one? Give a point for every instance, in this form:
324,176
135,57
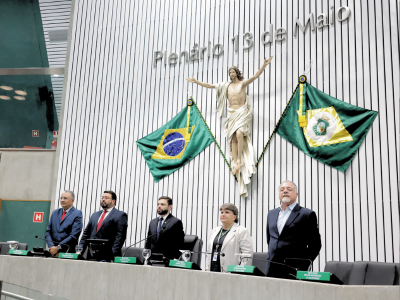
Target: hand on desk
53,250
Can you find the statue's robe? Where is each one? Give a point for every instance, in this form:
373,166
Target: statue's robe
238,119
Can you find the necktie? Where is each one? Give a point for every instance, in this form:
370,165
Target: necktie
64,212
159,227
101,220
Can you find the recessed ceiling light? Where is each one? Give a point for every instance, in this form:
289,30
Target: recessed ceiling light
22,93
19,97
7,88
5,97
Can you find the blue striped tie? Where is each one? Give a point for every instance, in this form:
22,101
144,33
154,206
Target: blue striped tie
159,228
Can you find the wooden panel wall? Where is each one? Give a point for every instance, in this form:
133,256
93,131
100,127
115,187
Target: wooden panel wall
115,96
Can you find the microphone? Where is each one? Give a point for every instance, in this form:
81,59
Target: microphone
162,229
267,260
195,252
274,262
192,253
307,259
38,237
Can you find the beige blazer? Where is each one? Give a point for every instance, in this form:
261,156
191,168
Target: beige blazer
237,240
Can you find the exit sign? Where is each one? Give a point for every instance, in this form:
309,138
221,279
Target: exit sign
38,217
35,133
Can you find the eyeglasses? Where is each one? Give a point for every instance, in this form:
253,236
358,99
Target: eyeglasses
288,189
105,198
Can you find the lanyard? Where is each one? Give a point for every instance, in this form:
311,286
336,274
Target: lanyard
220,232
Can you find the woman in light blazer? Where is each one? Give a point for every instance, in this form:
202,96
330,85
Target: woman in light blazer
228,240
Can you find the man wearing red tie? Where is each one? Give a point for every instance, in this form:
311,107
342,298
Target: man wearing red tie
110,224
65,225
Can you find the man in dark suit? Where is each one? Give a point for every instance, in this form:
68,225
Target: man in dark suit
65,226
109,223
292,235
167,231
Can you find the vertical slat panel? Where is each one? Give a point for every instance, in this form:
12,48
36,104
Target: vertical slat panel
352,175
115,96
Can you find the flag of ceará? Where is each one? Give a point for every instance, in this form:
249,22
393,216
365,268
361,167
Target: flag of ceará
176,143
324,127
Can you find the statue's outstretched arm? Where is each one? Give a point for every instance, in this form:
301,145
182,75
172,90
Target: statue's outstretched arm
246,82
206,85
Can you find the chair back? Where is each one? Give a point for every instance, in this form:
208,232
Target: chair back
341,269
364,272
258,260
193,243
5,247
134,252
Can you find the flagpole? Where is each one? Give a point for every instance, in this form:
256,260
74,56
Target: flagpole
205,123
277,124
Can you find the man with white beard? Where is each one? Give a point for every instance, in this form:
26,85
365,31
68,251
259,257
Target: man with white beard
292,235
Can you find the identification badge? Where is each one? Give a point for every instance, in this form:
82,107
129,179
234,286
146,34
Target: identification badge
215,256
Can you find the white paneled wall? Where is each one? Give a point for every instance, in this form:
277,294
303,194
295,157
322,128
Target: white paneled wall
115,96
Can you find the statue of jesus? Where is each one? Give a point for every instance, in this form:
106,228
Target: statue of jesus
237,124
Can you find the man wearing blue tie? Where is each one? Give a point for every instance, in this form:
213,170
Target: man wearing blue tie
65,225
166,231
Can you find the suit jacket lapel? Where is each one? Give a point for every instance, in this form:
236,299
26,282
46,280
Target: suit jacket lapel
108,215
293,215
275,214
60,212
165,223
230,235
94,220
153,225
67,214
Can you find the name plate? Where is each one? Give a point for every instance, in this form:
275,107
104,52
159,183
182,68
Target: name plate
241,269
68,255
318,276
125,260
180,264
18,252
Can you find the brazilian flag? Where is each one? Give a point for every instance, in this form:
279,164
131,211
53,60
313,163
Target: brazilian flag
176,143
323,127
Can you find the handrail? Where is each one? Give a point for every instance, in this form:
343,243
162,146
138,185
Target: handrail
15,296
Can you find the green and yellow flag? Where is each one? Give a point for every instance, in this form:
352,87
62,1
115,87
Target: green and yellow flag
324,127
176,143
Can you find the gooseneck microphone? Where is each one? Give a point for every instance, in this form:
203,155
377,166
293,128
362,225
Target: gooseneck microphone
274,262
38,237
162,229
307,259
192,252
267,260
270,261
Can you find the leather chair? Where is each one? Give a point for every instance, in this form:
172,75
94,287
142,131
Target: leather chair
134,252
5,247
193,243
258,262
380,273
341,269
397,274
364,272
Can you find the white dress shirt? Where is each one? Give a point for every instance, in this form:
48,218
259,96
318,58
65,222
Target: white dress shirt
163,221
283,216
107,213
